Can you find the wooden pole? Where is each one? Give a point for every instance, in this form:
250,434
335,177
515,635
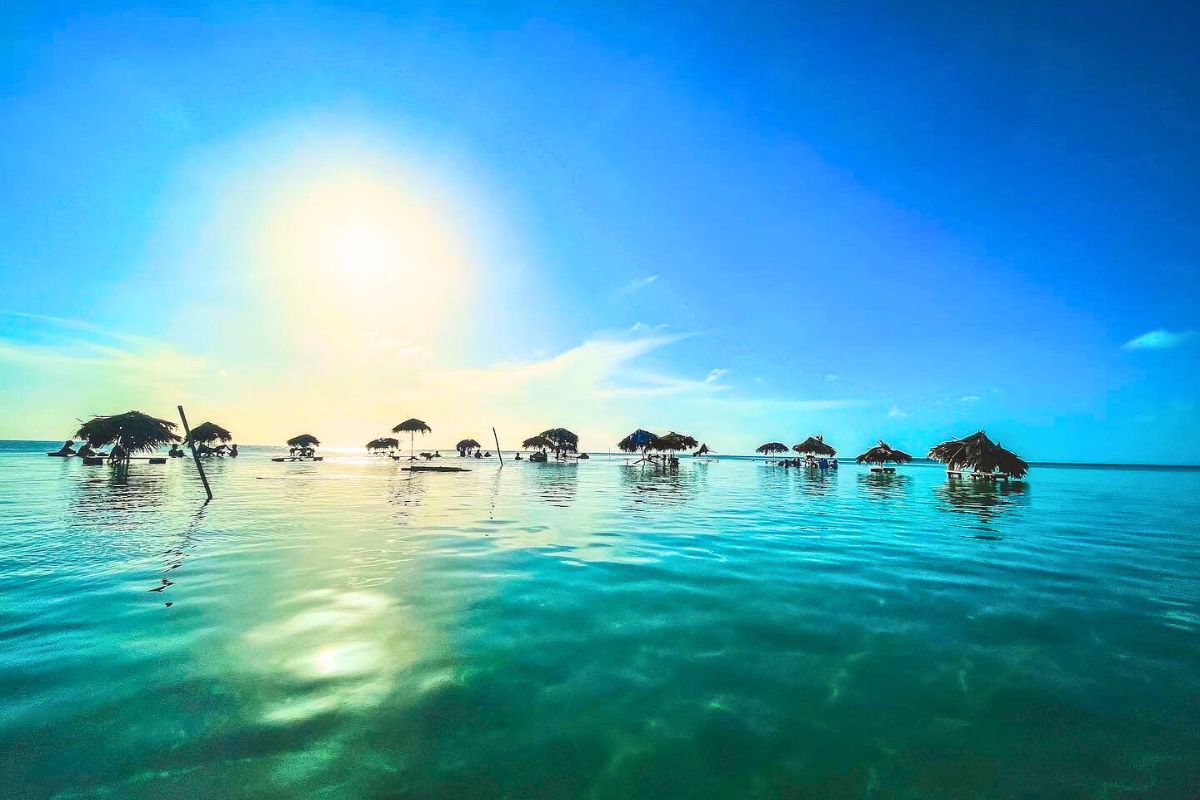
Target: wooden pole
497,438
195,455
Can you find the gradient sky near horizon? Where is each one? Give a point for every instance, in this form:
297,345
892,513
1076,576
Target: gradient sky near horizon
750,223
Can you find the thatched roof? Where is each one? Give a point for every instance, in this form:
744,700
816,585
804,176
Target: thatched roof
883,453
133,430
304,440
816,446
703,451
539,442
564,441
674,442
385,443
412,426
207,432
771,447
978,453
467,444
637,441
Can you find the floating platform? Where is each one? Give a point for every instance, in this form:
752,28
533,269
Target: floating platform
423,468
979,476
297,458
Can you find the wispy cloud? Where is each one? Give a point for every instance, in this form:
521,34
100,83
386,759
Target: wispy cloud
396,349
641,327
716,375
830,377
75,344
969,398
897,412
1159,340
639,283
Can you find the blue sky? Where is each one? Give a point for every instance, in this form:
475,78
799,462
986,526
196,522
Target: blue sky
906,221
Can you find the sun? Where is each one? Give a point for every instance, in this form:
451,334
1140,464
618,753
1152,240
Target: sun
349,244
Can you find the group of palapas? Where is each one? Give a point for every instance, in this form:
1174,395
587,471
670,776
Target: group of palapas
975,455
135,432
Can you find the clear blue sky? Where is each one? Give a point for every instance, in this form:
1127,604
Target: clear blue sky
897,220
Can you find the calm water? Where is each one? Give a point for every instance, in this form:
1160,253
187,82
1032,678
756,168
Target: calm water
343,629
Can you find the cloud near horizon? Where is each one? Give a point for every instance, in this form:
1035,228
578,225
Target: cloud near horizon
596,387
1159,340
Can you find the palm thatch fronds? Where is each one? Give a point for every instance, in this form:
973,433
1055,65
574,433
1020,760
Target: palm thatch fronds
207,432
703,451
304,440
978,453
384,443
466,445
134,431
538,442
674,442
814,445
771,448
882,453
637,442
412,427
564,441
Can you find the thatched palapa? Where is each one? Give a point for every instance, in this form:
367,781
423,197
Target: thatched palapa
134,431
208,432
815,446
538,442
304,440
412,427
977,453
563,441
466,445
384,443
771,448
882,453
637,442
674,442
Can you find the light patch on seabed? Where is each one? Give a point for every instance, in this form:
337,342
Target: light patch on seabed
345,655
838,682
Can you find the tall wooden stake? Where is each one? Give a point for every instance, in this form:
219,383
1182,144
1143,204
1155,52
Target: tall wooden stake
497,438
195,455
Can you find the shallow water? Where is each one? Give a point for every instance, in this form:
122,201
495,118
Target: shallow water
344,629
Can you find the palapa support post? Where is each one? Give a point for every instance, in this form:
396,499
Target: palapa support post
498,453
195,455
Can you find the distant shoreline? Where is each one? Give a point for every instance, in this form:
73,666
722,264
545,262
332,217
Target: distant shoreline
747,457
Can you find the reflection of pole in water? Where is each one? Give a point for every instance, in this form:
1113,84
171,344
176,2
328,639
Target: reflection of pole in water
173,557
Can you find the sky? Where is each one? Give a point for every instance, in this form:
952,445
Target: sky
750,223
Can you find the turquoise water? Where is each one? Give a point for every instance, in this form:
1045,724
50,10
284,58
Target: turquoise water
344,629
